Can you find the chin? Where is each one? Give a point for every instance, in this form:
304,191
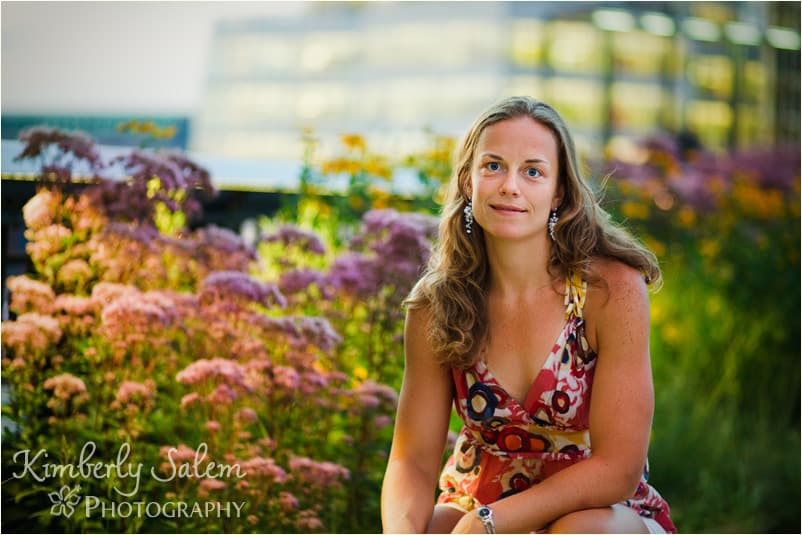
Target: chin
506,233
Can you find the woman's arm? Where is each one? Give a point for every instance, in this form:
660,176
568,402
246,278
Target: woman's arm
421,426
620,416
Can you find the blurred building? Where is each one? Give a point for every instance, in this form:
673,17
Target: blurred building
727,71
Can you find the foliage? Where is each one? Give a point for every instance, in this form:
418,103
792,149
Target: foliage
284,358
725,329
167,347
362,180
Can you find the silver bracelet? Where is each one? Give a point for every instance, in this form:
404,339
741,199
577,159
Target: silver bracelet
485,515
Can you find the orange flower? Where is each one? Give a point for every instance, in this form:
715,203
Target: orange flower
686,216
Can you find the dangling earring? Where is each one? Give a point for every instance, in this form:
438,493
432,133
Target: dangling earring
468,211
553,218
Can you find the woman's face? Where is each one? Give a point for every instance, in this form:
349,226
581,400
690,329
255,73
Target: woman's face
514,178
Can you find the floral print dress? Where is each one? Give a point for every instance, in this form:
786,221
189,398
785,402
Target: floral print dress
506,447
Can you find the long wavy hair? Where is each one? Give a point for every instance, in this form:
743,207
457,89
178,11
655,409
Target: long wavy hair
455,284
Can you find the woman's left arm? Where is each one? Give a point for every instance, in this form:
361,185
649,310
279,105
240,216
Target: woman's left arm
621,409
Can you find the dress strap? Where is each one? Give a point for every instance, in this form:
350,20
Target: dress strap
576,290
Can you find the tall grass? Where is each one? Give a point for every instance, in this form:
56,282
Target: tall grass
725,447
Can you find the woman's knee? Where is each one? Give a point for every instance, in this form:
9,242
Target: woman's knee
616,519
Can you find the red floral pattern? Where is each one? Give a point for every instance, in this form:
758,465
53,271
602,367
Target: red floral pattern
506,446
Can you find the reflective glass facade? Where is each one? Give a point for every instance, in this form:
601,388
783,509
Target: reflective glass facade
389,70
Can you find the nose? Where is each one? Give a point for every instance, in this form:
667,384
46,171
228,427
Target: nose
509,186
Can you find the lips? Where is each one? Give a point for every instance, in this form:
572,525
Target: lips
507,208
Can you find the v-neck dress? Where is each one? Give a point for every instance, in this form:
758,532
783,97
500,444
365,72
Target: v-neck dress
506,446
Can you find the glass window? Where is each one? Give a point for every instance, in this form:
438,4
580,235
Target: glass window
711,120
636,106
575,47
421,44
578,101
713,73
639,52
321,101
526,43
752,126
755,78
322,51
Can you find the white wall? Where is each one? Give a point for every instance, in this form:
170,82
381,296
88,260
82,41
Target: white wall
112,57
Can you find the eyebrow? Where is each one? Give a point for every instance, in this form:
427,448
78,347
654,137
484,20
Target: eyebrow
497,157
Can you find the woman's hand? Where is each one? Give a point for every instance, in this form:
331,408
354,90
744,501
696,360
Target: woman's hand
469,523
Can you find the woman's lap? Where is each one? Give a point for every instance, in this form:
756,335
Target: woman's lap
616,519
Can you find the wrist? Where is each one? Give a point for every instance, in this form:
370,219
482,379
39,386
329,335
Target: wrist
485,515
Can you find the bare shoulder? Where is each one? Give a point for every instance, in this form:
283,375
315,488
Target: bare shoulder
417,343
622,287
419,317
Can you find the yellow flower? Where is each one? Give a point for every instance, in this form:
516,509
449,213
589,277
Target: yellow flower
657,312
634,210
655,246
340,165
709,248
758,202
379,198
353,141
356,202
360,373
671,333
377,166
714,305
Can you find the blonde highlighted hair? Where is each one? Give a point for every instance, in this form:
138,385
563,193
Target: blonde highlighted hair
455,284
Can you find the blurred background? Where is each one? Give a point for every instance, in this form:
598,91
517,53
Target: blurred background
692,109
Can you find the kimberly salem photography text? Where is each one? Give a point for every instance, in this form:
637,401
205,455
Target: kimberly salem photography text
127,478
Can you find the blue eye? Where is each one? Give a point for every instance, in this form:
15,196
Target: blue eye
531,171
493,166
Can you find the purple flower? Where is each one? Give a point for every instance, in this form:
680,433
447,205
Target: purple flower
74,305
264,468
131,312
40,210
247,415
222,395
29,295
286,377
391,249
145,236
236,285
31,332
175,172
355,273
297,280
218,369
65,386
130,391
223,249
76,143
287,501
292,235
319,332
320,474
379,391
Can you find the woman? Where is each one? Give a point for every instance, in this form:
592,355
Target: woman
526,257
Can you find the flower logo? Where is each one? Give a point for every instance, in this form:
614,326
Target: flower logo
64,501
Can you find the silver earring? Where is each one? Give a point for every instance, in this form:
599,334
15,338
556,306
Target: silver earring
468,211
553,218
